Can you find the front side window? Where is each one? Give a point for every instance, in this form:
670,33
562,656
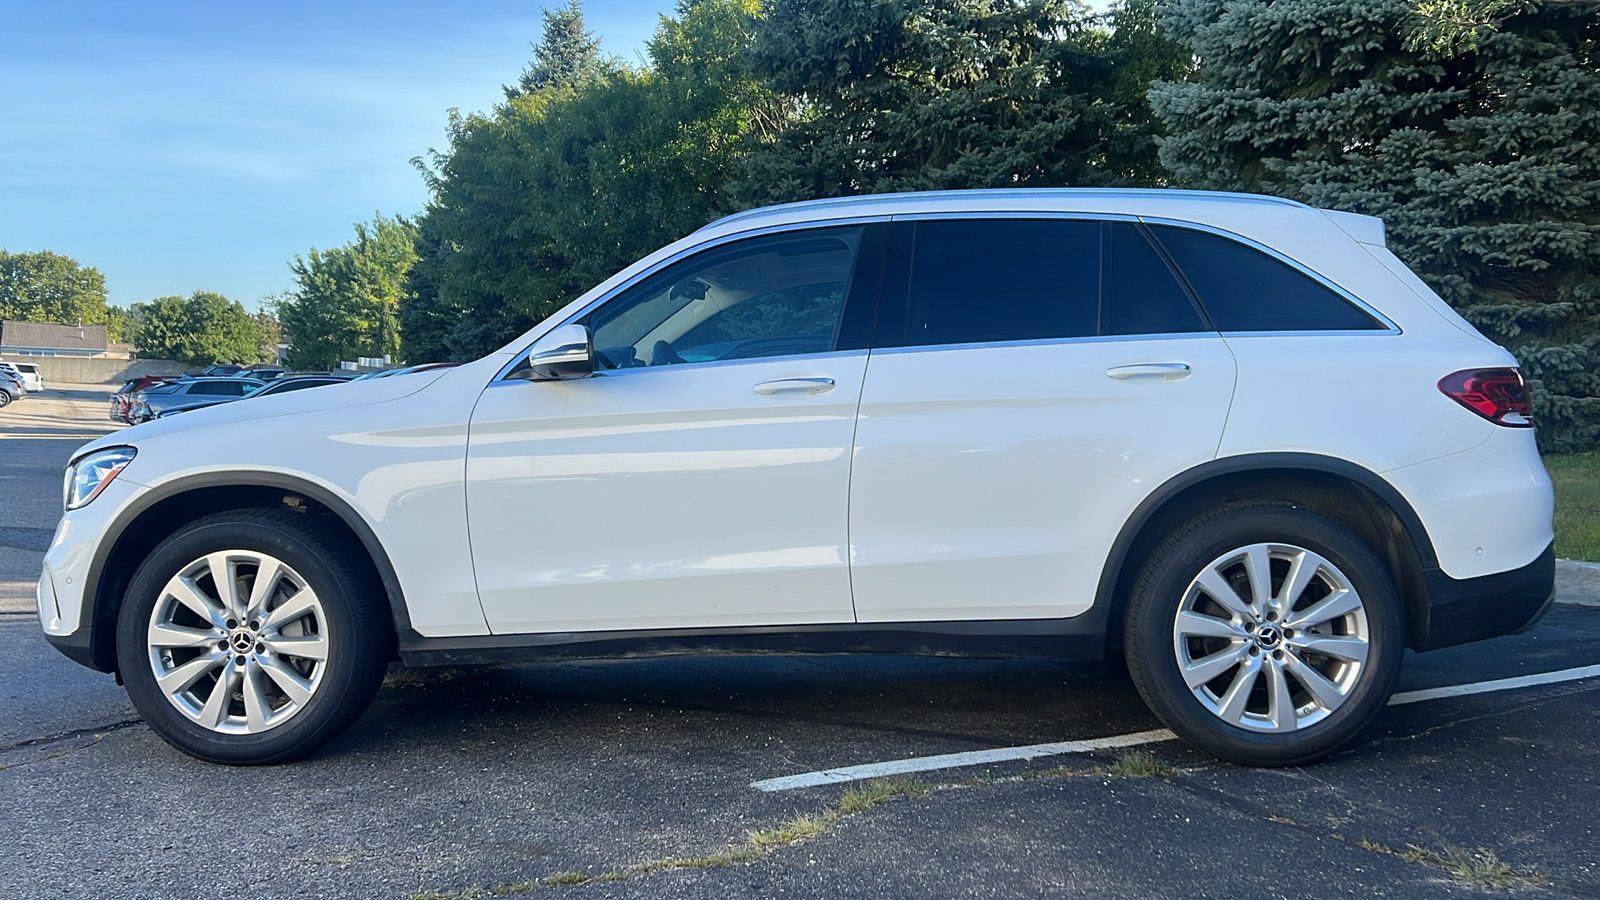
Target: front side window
978,280
776,295
1244,289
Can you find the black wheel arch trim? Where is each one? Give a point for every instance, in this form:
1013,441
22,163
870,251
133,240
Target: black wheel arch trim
100,653
1106,593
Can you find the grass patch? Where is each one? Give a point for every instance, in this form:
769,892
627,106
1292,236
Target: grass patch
1576,477
1140,764
1478,867
1137,764
857,798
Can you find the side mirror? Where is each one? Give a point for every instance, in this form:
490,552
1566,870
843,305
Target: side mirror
563,354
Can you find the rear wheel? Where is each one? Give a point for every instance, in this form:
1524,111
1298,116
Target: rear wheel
252,637
1265,634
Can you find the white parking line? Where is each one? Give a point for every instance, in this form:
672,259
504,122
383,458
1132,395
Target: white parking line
956,760
1004,754
1503,684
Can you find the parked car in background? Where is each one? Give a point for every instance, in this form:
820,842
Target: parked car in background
150,402
122,400
10,388
406,370
217,369
32,379
1231,437
263,372
276,386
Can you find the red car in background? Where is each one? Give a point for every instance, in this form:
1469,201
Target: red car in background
123,398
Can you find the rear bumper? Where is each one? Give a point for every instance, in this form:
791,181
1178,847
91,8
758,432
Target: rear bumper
1473,609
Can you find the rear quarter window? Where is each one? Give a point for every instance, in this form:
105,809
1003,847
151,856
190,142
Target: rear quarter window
1244,289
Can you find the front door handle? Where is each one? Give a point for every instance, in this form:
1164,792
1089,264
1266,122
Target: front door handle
796,386
1170,371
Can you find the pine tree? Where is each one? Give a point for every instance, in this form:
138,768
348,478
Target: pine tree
567,55
931,94
1471,126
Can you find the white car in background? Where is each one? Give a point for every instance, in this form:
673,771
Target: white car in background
32,380
1232,437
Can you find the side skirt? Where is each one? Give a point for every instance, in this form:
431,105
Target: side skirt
1079,638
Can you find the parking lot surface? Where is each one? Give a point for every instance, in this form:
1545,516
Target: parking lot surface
634,778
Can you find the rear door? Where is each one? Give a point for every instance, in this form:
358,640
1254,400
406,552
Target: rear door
1031,381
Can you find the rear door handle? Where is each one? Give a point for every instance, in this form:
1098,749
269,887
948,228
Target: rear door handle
796,386
1150,372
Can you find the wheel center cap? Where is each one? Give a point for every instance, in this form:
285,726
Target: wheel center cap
1269,637
243,640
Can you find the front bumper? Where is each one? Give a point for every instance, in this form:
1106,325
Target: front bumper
1473,609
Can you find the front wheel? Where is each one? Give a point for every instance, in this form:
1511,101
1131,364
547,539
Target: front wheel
252,637
1265,634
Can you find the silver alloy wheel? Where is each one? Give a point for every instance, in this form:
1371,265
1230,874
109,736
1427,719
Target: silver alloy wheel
238,642
1271,637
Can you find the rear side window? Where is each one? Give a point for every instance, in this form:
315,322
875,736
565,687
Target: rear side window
976,280
1243,289
1143,296
220,388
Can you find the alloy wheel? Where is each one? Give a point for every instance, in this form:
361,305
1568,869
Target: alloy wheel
1271,637
238,642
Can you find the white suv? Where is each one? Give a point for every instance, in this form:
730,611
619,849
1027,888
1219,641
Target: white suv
1229,436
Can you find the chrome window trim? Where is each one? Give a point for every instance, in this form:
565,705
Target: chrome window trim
521,355
1389,326
1050,342
710,363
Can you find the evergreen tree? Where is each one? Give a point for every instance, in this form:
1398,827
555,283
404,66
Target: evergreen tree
1471,126
567,55
932,94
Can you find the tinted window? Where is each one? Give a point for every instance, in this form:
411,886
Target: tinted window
1003,280
1143,296
769,296
1244,289
220,388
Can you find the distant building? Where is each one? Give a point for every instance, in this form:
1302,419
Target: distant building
49,339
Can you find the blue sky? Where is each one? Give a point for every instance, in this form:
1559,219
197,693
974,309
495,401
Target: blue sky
183,146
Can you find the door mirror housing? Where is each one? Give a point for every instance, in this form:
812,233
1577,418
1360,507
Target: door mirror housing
562,355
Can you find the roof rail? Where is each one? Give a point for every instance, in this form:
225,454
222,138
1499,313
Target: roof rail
1000,193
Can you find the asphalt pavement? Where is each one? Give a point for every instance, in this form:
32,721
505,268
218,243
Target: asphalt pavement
633,778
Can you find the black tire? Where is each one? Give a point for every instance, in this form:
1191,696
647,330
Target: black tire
5,399
358,633
1152,646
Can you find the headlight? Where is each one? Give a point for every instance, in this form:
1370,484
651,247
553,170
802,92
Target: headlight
87,477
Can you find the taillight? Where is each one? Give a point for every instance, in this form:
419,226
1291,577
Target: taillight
1498,395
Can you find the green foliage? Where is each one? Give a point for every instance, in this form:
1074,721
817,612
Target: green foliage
568,55
937,94
562,186
202,329
1471,126
346,300
42,286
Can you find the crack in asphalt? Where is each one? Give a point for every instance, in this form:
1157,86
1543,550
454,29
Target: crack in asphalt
69,735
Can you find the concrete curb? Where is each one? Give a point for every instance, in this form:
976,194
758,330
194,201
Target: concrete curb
1578,582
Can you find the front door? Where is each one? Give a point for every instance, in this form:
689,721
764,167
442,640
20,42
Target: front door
700,477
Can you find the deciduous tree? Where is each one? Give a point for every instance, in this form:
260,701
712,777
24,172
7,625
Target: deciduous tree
345,303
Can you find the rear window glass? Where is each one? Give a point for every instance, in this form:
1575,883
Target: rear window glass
1003,280
1244,289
